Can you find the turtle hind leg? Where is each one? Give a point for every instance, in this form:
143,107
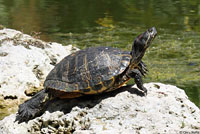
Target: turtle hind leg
33,107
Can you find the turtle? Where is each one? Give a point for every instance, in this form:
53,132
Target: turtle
93,70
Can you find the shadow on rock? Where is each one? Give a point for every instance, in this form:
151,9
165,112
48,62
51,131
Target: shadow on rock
89,101
66,105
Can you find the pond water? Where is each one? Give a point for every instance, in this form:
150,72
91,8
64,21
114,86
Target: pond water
173,58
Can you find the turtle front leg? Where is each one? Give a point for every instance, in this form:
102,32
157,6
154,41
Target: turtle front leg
136,74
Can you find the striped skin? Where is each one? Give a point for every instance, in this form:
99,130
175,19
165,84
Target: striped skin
89,71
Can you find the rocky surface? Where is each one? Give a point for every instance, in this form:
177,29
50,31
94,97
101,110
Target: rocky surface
166,109
24,63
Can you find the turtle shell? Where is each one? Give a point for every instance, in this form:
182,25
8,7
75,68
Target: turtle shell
88,71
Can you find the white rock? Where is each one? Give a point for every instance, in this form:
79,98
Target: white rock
166,109
16,68
25,62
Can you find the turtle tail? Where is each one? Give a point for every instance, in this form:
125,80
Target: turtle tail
33,107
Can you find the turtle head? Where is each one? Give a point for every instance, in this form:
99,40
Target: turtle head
141,43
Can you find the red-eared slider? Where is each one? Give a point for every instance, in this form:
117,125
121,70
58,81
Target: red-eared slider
91,71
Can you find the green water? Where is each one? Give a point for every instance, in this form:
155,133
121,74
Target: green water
173,58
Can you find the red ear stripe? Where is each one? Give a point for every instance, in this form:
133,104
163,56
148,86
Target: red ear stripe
140,36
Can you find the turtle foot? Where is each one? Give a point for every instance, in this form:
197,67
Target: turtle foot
33,107
25,113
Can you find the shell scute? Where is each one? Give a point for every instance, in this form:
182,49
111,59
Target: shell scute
89,71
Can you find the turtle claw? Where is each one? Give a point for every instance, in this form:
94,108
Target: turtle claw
144,91
24,113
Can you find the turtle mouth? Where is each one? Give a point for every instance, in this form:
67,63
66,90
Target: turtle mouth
151,34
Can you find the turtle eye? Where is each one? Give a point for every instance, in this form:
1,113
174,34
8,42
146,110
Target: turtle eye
150,30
